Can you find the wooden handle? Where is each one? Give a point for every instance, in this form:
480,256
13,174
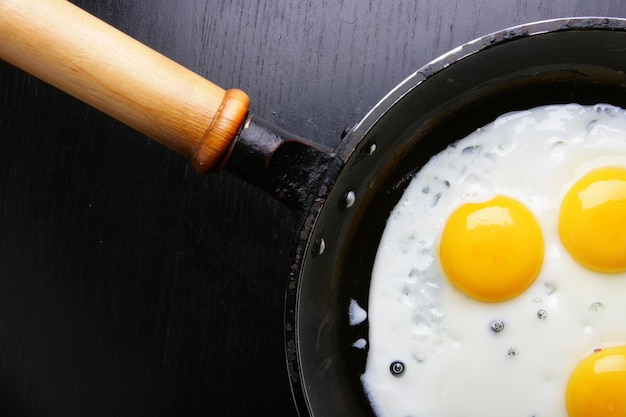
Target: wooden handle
89,59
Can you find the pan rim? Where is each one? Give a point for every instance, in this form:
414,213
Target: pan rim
353,136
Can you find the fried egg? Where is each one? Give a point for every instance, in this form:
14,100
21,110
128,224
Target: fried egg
499,282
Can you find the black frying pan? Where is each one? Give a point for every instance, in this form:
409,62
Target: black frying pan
346,195
560,61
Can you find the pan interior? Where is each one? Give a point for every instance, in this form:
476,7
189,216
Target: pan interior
429,111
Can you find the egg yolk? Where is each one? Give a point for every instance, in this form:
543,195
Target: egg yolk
597,387
492,251
592,222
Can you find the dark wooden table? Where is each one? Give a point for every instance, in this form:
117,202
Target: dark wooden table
129,285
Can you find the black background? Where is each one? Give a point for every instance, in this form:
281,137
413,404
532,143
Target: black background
129,285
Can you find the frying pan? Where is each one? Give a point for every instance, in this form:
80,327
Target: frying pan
346,195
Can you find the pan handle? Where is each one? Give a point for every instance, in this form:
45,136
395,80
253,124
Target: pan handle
94,62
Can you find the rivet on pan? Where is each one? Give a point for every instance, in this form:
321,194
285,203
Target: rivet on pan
542,314
372,148
320,245
349,199
396,368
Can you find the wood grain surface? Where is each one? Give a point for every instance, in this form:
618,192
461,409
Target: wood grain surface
131,286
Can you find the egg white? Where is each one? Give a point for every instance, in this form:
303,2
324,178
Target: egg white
455,364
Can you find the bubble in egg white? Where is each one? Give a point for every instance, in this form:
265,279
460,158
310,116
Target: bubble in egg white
457,364
513,351
497,325
596,307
